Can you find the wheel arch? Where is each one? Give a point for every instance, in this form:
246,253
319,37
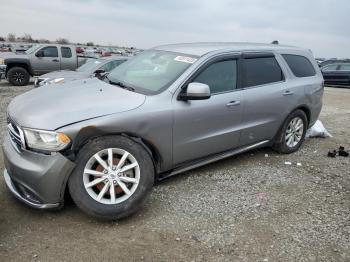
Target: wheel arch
22,64
303,108
89,133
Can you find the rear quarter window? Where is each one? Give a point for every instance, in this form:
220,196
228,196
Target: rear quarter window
300,65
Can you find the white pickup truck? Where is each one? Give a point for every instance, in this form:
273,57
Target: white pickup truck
39,59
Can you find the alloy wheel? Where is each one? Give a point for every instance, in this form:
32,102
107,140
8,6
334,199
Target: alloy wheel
294,132
18,77
111,176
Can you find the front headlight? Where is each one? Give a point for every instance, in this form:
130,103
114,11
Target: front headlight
45,140
2,61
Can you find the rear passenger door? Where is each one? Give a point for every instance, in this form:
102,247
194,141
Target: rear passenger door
68,62
263,81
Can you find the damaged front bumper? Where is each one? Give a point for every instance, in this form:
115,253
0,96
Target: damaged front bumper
36,179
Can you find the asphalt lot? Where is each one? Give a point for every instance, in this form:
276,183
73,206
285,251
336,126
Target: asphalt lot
250,207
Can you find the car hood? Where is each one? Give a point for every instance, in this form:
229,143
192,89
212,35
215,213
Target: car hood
68,75
50,108
6,55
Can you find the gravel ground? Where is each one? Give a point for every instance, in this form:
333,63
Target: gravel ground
250,207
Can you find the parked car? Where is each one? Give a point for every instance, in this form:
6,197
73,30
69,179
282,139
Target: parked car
79,50
92,68
5,48
336,74
333,61
168,110
38,60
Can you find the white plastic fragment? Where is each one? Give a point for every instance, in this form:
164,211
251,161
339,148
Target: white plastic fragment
266,155
287,163
317,130
298,164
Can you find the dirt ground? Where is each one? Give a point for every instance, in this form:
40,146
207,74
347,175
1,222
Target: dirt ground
250,207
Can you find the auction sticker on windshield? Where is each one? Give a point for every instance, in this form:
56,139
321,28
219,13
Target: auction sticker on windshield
185,59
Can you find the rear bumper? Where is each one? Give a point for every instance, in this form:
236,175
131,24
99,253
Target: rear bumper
37,180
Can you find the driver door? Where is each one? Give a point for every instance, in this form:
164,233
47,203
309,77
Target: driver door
45,60
205,127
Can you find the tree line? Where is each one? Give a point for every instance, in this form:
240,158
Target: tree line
27,38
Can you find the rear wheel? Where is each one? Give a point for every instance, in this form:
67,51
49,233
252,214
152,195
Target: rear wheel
292,133
112,177
18,76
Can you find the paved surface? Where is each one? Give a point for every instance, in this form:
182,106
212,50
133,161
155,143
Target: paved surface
251,207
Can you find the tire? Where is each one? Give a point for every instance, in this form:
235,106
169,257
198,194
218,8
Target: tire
105,208
282,143
18,76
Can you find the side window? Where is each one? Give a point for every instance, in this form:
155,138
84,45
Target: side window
300,65
50,51
66,52
345,67
330,68
220,76
261,71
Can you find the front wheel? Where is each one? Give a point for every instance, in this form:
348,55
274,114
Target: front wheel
112,177
292,133
18,76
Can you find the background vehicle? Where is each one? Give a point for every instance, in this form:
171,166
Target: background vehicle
92,68
166,111
38,60
337,74
333,61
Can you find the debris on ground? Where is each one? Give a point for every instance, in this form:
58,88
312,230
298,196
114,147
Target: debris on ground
341,152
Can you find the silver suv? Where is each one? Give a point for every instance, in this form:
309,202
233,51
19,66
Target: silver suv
170,109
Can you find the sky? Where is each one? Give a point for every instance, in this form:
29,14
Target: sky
319,25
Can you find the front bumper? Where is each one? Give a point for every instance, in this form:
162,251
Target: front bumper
36,179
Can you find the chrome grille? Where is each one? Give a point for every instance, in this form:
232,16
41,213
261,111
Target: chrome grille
16,134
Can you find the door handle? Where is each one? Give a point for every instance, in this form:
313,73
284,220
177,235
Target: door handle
233,103
288,93
55,60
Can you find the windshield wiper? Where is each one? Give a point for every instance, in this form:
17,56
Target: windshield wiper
121,84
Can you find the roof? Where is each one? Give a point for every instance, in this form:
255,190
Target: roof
200,49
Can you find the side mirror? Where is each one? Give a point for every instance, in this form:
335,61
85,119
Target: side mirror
40,53
100,72
195,91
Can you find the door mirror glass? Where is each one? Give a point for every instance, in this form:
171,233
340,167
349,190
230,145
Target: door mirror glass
196,91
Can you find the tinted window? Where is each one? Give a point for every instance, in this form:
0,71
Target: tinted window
262,70
220,76
66,52
300,65
50,51
345,67
330,68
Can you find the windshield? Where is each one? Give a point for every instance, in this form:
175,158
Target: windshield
151,71
88,66
32,49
